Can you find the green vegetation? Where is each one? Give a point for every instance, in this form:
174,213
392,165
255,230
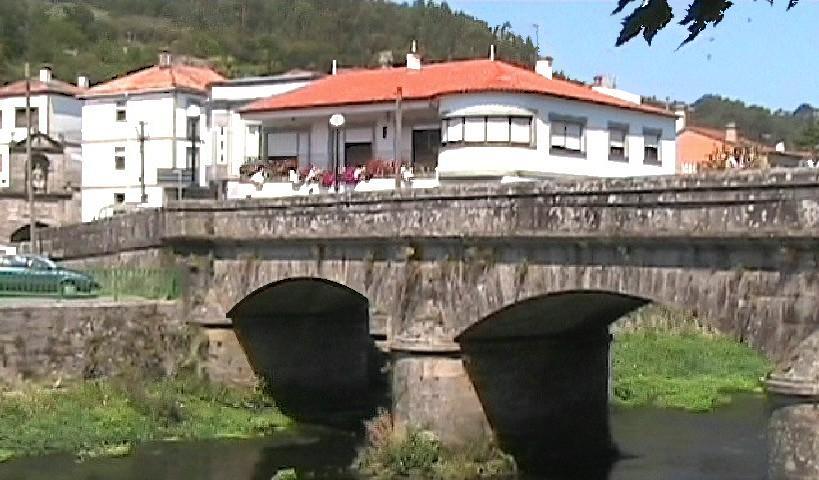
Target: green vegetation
392,452
155,284
107,418
105,38
754,122
691,371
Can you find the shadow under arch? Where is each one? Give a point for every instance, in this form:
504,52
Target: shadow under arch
540,368
23,234
309,340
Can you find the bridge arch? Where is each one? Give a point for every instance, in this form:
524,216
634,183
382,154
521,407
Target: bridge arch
541,370
309,339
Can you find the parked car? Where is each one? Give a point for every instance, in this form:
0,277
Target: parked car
38,275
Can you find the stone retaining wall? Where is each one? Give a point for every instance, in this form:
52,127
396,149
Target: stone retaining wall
87,339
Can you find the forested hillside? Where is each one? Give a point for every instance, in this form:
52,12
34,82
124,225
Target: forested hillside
754,122
104,38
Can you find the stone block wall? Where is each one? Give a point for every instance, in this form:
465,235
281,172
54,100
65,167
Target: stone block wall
52,210
88,339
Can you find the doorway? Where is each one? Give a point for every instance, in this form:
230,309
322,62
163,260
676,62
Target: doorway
425,146
356,154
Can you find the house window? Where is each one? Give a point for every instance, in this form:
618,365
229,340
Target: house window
618,142
520,130
497,129
119,198
454,130
488,130
651,147
120,112
20,118
192,157
568,136
474,130
119,158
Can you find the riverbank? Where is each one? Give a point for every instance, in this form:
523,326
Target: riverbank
109,417
691,371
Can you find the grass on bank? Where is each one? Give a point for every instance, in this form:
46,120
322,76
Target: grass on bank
391,452
107,418
150,283
690,371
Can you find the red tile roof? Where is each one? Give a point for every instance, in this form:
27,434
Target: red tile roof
57,87
355,87
159,79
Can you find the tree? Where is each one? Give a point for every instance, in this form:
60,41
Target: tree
654,15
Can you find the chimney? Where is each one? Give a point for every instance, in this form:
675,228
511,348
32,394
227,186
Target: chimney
165,59
385,58
681,112
334,68
45,74
543,67
83,81
492,52
731,132
413,59
603,81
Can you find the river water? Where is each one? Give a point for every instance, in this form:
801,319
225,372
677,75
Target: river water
657,444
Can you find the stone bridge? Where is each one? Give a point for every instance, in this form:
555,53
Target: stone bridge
491,305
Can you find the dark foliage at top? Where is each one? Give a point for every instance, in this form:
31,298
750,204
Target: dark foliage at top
654,15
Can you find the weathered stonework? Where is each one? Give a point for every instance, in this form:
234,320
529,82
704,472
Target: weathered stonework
444,269
51,210
88,339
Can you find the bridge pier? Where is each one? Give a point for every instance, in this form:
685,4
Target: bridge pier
793,425
432,390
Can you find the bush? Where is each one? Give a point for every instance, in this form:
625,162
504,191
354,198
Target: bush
391,452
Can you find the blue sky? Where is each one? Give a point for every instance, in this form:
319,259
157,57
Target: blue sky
760,54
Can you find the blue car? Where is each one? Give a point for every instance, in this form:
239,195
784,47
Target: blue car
37,275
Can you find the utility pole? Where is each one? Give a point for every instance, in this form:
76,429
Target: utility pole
32,229
398,129
141,135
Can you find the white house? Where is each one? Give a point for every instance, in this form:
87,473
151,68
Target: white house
55,111
474,120
147,121
235,142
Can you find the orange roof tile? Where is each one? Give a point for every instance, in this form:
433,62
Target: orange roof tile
57,87
355,87
157,79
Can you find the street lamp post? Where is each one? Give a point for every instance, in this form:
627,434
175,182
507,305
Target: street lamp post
193,112
336,122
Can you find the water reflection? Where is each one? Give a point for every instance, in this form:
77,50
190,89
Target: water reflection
658,444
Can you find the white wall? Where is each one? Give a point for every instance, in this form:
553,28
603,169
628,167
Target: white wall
250,92
500,161
229,138
101,134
